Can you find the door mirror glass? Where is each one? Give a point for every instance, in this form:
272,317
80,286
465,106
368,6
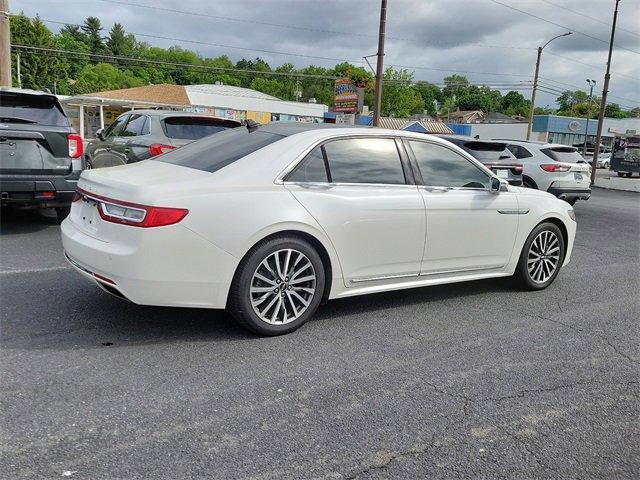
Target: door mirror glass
495,184
100,133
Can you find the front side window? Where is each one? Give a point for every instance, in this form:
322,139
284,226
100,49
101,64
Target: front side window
135,126
364,160
442,167
116,127
311,169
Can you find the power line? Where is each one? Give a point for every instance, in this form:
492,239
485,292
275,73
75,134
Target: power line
290,27
592,65
563,7
561,26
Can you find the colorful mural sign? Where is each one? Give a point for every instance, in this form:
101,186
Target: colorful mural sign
345,96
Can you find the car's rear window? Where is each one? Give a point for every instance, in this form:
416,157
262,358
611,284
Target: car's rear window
563,154
488,151
194,128
213,153
35,109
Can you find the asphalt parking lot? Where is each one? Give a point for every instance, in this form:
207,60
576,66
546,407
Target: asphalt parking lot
470,380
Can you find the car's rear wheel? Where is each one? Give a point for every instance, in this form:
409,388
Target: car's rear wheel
528,183
62,213
541,257
278,286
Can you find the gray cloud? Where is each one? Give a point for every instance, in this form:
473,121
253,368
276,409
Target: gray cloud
452,35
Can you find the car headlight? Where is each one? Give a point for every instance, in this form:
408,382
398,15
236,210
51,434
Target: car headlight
572,214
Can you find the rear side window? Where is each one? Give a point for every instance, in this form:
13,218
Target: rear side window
194,128
519,151
364,160
311,169
442,167
137,125
563,154
34,109
213,153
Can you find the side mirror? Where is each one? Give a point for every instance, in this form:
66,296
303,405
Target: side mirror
100,134
498,185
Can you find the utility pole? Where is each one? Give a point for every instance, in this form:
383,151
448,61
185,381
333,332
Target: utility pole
603,102
5,45
535,83
18,70
380,64
592,84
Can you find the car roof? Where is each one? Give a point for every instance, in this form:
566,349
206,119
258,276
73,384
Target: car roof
467,138
175,113
287,129
27,91
535,143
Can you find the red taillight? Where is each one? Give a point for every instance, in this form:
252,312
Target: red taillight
46,194
76,196
133,214
555,167
75,145
159,149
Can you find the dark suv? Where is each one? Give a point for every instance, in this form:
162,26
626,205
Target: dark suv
40,154
142,134
494,155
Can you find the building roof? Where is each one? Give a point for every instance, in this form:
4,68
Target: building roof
230,90
162,93
419,126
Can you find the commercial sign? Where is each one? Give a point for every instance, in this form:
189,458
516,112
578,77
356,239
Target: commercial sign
345,96
574,125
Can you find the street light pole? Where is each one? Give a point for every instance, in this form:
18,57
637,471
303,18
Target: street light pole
535,83
603,101
592,84
380,64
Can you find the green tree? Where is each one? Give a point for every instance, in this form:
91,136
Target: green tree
270,86
73,31
92,29
118,42
455,85
431,95
39,69
514,103
613,110
399,98
634,112
104,76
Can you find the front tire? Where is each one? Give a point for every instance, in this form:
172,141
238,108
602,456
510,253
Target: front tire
541,257
278,286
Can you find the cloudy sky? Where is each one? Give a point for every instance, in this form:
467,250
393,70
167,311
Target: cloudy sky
485,40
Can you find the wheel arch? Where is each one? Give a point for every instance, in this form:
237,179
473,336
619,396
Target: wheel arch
329,259
563,230
528,179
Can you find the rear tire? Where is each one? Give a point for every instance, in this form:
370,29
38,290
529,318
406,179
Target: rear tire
621,174
541,257
572,201
528,183
277,287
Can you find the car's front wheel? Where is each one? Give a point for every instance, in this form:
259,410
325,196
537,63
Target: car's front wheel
278,286
541,257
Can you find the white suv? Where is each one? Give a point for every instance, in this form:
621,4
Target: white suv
554,168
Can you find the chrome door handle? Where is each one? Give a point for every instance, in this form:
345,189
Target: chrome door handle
436,189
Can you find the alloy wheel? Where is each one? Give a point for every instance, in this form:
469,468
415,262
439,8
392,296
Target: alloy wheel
283,286
544,256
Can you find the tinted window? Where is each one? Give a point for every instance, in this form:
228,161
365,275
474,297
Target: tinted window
519,151
364,160
213,153
441,167
135,126
311,169
563,154
40,109
194,128
116,127
486,151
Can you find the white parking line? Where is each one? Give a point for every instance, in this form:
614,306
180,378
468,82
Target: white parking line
34,270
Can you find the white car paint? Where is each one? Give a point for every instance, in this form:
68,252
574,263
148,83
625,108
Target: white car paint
377,237
574,183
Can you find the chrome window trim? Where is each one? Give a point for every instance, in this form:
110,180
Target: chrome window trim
279,180
344,184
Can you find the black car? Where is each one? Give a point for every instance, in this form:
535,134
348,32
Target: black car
40,153
494,155
142,134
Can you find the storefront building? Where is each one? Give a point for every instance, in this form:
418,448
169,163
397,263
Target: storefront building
572,130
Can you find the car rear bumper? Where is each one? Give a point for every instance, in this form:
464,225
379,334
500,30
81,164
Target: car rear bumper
165,266
48,191
569,193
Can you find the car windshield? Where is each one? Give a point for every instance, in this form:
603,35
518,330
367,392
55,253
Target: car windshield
217,151
563,154
194,128
38,109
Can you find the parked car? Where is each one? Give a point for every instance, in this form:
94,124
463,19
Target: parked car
142,134
603,160
554,168
40,152
626,155
271,221
494,156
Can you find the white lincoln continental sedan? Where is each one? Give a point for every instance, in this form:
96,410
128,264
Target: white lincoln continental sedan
270,221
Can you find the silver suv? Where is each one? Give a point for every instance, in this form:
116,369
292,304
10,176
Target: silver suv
554,168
